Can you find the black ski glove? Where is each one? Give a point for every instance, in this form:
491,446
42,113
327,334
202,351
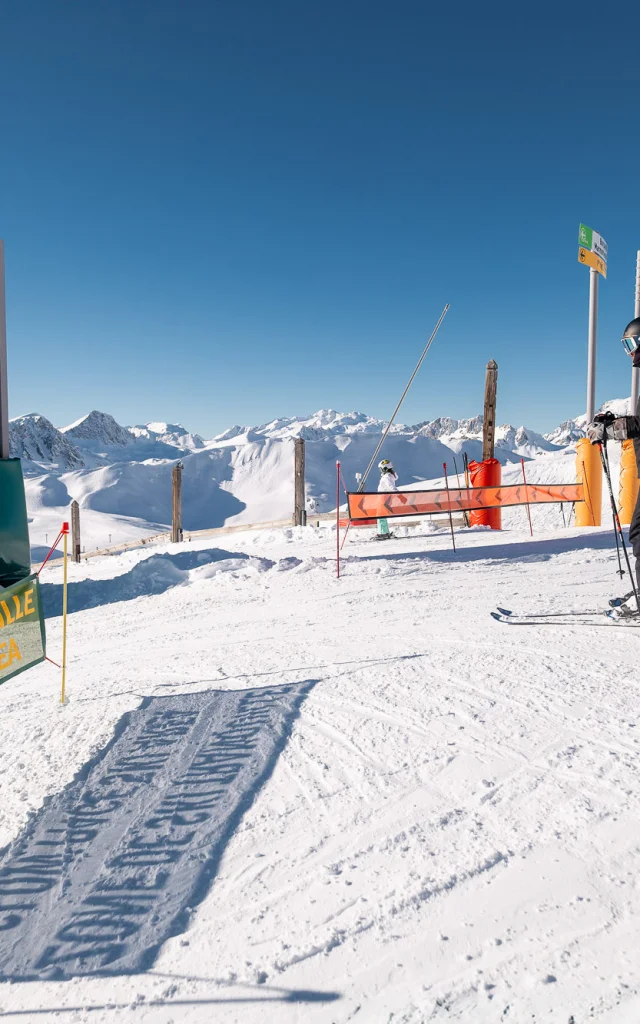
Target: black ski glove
602,428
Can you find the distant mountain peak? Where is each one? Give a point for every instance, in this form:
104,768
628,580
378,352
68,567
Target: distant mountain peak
173,434
98,426
34,437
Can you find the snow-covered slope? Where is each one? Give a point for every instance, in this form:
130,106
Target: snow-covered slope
168,433
276,797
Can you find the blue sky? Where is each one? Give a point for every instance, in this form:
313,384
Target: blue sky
225,211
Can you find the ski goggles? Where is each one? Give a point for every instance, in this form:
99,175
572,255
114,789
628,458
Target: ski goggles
631,344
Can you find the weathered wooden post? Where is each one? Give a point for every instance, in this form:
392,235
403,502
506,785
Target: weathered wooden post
489,420
176,522
299,502
75,531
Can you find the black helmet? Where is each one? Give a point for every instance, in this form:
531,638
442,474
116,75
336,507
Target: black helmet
631,336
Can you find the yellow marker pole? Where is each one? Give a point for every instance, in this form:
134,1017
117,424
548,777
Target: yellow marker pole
628,482
589,473
65,534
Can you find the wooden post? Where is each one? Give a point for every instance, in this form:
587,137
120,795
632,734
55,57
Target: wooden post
489,421
176,524
299,501
75,531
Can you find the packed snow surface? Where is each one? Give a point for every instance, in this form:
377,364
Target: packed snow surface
275,795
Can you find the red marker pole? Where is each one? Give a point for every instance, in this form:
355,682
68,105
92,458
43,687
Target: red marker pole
446,480
526,490
65,534
338,520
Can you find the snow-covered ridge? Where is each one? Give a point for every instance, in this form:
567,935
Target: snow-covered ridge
34,438
98,426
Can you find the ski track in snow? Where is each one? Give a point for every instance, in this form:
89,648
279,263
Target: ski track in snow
441,827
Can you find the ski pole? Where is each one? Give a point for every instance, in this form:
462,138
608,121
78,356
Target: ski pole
446,480
614,510
524,477
465,515
604,456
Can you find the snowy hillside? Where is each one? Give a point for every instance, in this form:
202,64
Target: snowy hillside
276,797
243,475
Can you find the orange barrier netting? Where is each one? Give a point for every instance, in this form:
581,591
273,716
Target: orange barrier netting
411,503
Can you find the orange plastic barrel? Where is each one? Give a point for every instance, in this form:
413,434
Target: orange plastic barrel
486,474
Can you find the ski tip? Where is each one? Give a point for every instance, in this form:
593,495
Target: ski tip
496,615
504,611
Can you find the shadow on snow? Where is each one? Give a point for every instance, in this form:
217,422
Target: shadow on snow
111,867
530,551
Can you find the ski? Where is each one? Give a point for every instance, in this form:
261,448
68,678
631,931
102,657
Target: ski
588,618
544,615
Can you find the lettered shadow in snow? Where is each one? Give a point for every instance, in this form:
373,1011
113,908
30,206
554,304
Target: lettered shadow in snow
110,868
154,575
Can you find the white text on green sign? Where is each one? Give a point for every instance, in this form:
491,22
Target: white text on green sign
590,239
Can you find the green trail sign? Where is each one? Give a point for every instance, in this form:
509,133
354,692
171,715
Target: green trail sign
22,633
590,239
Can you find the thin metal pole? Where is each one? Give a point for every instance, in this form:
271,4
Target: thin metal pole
446,480
338,520
526,491
465,514
593,332
604,456
635,373
404,393
4,387
63,694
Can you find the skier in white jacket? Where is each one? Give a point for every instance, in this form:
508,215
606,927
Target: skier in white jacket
387,484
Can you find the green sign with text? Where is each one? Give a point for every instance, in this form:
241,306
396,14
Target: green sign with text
22,632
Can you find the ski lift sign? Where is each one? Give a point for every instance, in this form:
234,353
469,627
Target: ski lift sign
592,249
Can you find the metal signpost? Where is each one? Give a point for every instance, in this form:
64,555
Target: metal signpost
4,391
592,252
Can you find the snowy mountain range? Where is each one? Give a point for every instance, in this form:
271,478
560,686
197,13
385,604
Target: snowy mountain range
245,473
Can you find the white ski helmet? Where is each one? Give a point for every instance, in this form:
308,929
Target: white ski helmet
384,466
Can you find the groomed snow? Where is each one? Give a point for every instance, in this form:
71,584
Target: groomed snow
448,830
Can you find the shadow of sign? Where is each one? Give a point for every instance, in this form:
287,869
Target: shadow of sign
110,868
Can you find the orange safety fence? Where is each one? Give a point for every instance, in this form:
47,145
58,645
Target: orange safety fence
411,503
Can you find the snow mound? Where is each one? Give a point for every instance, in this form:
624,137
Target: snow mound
155,575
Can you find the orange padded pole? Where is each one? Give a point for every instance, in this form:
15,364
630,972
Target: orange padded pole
486,474
628,492
589,473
